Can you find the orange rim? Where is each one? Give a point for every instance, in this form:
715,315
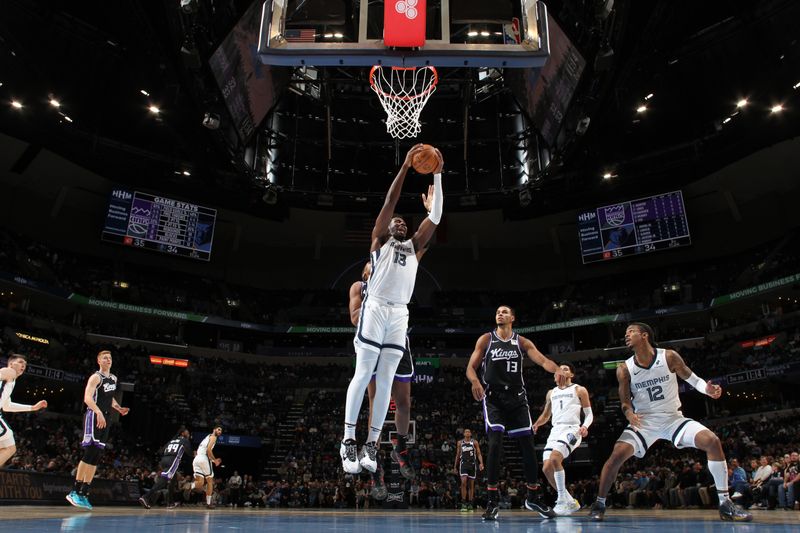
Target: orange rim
377,89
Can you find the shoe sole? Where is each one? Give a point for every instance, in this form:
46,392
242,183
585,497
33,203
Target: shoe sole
357,470
726,518
73,503
371,470
144,503
541,513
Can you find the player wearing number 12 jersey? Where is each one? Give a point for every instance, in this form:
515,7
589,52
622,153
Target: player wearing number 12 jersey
648,392
498,356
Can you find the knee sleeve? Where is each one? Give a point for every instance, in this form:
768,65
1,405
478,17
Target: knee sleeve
493,457
91,455
365,365
384,377
529,463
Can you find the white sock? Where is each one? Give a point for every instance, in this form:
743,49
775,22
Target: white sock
384,377
365,364
719,470
561,484
208,500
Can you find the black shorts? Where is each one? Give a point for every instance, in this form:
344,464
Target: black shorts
92,435
507,411
405,370
468,469
169,465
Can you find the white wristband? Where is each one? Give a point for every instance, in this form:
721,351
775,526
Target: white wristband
588,417
436,210
697,383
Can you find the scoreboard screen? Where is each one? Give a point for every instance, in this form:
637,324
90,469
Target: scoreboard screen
634,227
165,225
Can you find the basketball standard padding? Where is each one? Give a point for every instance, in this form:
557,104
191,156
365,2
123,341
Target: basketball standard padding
404,23
426,160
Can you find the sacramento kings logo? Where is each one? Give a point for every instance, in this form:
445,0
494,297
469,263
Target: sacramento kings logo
615,214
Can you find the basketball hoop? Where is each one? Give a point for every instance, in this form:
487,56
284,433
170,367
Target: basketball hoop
403,92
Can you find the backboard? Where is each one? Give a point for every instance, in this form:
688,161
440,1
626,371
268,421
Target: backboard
458,33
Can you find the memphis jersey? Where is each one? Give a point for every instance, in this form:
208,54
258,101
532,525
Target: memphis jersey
202,450
566,406
394,271
467,452
104,392
5,392
654,390
502,363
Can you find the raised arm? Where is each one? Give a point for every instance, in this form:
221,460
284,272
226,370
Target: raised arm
392,196
676,364
539,358
475,361
546,413
428,226
624,379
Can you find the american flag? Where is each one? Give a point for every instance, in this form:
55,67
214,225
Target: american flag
305,35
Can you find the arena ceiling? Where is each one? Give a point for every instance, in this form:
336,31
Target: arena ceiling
108,63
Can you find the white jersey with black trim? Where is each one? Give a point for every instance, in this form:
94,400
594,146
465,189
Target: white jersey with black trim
5,392
394,271
202,450
565,406
654,389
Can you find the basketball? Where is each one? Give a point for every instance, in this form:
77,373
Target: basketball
426,160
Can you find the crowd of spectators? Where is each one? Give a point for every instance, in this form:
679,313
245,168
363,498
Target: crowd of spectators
249,397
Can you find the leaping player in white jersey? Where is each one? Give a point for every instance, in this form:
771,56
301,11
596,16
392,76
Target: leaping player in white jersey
383,323
648,391
204,463
564,404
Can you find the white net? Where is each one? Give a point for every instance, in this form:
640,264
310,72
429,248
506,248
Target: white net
403,93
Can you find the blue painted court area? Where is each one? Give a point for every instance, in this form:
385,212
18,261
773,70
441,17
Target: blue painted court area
201,521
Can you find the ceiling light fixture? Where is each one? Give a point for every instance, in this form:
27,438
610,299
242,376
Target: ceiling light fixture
741,103
641,109
795,86
648,97
16,104
54,102
728,119
144,92
472,34
154,110
777,108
